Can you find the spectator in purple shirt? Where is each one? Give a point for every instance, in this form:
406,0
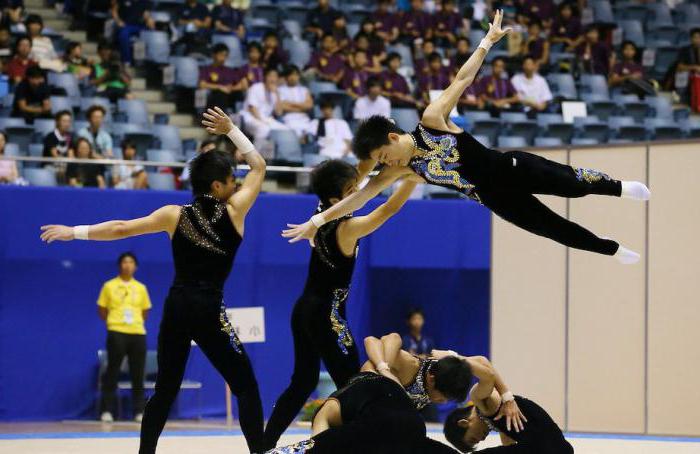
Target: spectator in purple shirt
593,56
437,78
394,86
462,53
228,19
254,69
319,21
362,43
535,45
326,65
447,23
416,23
195,20
340,33
226,85
420,61
543,10
356,75
497,92
377,46
386,22
471,99
273,54
628,74
566,28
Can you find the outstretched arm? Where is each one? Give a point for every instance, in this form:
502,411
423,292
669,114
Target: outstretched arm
436,115
162,220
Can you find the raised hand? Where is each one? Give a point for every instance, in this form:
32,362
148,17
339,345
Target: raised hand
217,122
298,232
51,233
495,32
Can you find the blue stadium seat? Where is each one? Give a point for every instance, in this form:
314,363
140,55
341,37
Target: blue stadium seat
40,177
633,31
594,97
631,133
660,14
668,33
297,12
636,109
552,125
602,109
592,128
548,142
472,115
635,12
691,127
663,129
659,107
513,117
287,146
160,156
312,160
563,85
595,83
316,87
616,122
406,119
527,129
42,127
665,57
68,82
186,71
12,149
157,46
293,27
584,141
602,12
687,13
299,51
511,142
483,140
169,137
17,130
488,128
405,53
36,150
135,109
235,55
59,103
266,11
161,181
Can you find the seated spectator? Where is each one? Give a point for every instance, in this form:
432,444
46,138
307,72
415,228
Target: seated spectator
76,64
496,91
373,103
295,102
5,45
462,53
356,75
415,342
132,175
8,167
59,142
254,70
319,20
593,56
471,99
416,23
99,138
228,19
195,19
377,45
386,21
131,17
533,89
332,134
261,104
226,85
109,75
395,85
628,74
273,54
326,65
566,28
17,66
540,10
420,60
535,45
437,77
43,51
340,33
85,175
362,42
12,11
204,147
32,96
447,23
689,58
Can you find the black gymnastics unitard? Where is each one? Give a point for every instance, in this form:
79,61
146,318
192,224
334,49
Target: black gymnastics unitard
319,329
204,246
506,183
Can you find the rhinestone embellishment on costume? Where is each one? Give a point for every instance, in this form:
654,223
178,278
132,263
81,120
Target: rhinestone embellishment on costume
338,323
227,328
416,390
296,448
590,175
207,237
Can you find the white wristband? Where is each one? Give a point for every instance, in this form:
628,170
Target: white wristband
80,232
486,44
507,397
452,353
318,220
242,143
383,366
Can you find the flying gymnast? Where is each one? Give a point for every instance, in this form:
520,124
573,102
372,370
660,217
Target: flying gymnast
205,237
445,155
319,327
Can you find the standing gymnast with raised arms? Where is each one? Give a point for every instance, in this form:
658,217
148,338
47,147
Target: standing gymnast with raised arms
444,155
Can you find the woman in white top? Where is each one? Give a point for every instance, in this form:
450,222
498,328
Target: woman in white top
42,46
296,102
261,103
333,134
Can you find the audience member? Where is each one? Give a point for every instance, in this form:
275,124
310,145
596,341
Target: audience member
340,33
8,167
377,45
131,17
273,54
43,51
535,45
204,147
319,20
689,58
396,88
124,305
132,175
32,96
332,134
386,21
295,102
436,78
85,175
325,64
196,21
99,138
540,10
415,342
59,142
447,23
228,19
496,90
12,11
356,75
628,74
109,75
533,89
254,69
5,45
226,85
416,23
462,53
373,103
362,43
76,64
420,60
593,55
566,28
17,66
260,107
471,99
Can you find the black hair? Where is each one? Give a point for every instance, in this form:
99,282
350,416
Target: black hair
326,102
254,45
291,69
72,45
392,56
127,254
413,311
454,432
590,28
270,34
104,45
329,179
206,142
428,41
373,82
694,31
535,21
34,71
463,38
19,40
327,35
33,19
453,377
81,140
433,57
219,47
528,57
126,143
501,59
268,69
207,168
61,113
94,108
373,133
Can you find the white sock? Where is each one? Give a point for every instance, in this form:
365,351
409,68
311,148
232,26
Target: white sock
626,256
635,190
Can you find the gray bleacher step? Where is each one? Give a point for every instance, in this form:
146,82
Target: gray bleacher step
89,49
161,107
193,132
77,36
46,13
180,120
148,95
58,25
138,83
34,4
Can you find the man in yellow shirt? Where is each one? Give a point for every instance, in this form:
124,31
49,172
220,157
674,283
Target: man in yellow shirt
124,304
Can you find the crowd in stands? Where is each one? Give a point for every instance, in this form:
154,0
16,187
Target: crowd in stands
315,70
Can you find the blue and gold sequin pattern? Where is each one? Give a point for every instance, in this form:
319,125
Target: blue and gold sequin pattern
417,390
590,175
296,448
439,163
227,328
326,239
338,323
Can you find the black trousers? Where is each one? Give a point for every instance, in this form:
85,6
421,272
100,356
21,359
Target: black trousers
119,345
198,314
556,447
314,340
518,176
